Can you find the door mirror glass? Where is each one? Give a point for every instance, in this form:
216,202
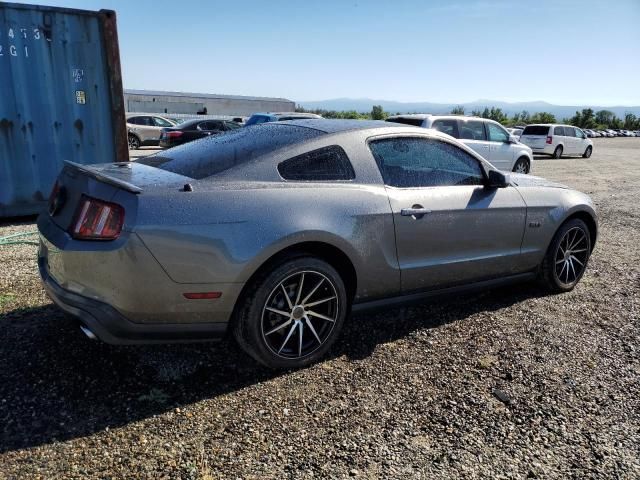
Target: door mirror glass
497,179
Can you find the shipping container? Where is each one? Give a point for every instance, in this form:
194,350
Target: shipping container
61,98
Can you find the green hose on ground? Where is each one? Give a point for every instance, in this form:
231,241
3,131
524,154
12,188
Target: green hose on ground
8,240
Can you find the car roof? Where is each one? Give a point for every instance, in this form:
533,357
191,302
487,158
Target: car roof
420,116
338,125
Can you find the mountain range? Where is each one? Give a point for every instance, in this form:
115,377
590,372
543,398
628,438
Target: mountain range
510,108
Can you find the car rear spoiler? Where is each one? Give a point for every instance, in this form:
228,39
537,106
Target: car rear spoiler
86,169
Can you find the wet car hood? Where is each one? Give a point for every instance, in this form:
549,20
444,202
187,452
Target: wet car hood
525,180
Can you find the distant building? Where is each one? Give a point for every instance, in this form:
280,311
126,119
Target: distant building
202,103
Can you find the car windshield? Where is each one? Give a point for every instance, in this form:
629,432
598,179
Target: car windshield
213,155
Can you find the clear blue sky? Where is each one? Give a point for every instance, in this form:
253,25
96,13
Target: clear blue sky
563,52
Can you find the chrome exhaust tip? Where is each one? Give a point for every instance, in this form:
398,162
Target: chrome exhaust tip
88,332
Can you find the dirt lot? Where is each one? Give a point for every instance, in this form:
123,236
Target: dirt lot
407,393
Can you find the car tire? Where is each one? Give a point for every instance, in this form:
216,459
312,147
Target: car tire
567,256
522,165
557,153
587,152
286,323
134,142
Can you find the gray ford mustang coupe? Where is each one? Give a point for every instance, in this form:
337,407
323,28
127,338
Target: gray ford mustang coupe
275,232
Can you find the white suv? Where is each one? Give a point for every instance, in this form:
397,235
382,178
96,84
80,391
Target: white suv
488,138
557,140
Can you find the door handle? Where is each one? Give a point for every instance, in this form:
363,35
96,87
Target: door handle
416,212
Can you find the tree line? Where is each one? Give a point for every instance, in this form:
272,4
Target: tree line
587,118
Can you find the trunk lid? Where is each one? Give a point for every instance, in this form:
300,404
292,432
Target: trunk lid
106,181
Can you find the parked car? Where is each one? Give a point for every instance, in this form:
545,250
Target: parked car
275,233
589,133
257,118
516,132
193,130
144,130
557,140
486,137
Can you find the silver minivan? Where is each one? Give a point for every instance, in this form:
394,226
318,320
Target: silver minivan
557,140
487,137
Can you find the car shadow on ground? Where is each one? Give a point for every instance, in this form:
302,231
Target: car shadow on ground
57,385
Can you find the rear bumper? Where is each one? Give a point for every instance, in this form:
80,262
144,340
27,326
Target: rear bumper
112,327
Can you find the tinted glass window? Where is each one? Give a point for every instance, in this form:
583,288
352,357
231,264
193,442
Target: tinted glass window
161,122
450,127
497,133
472,130
134,120
416,122
420,162
255,119
536,130
570,132
210,126
218,153
558,131
580,133
330,163
231,125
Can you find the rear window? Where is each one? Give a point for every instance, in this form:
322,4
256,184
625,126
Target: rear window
416,122
536,130
255,119
212,155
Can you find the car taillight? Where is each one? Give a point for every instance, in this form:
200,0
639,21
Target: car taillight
174,134
98,220
549,140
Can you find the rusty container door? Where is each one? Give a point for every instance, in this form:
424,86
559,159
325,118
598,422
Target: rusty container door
60,98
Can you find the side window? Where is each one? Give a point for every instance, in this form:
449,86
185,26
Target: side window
329,163
134,120
146,121
558,131
472,130
579,133
161,122
231,125
210,126
497,133
570,132
407,162
450,127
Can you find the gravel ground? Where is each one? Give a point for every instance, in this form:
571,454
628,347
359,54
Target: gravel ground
510,383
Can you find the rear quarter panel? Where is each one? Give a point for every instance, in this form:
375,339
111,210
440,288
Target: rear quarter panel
224,234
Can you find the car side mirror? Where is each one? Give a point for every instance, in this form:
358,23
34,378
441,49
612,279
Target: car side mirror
513,139
497,179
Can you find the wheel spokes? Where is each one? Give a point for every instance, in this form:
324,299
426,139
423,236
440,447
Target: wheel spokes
304,301
318,302
279,312
313,330
291,330
280,327
318,315
286,295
